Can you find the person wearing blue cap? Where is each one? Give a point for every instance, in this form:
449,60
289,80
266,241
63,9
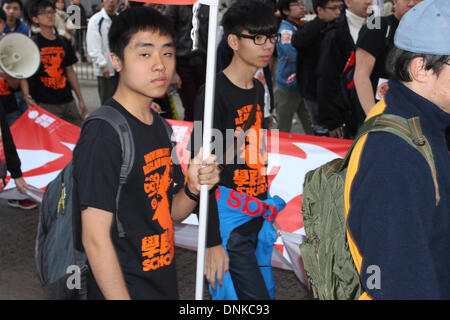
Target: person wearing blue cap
397,205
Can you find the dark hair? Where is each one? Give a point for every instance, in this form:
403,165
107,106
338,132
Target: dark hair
133,20
284,5
33,7
2,15
252,15
399,60
321,3
13,1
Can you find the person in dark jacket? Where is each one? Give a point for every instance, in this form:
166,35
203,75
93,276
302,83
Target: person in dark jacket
335,50
9,159
307,41
397,212
191,55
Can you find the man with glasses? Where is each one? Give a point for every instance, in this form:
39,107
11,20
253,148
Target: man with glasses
307,41
372,49
51,86
287,97
251,30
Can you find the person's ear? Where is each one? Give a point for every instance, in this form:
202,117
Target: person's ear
418,71
35,20
233,41
116,62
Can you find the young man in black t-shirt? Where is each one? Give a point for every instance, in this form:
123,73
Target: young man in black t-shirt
251,30
372,49
51,86
140,265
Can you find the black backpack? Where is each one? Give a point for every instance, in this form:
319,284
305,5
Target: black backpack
60,258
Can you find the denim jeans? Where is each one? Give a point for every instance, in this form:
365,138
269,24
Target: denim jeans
244,269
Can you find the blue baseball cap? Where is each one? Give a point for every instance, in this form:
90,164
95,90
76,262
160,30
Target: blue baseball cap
425,28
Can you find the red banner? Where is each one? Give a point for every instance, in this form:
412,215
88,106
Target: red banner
45,144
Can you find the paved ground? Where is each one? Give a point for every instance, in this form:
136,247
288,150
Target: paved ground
18,277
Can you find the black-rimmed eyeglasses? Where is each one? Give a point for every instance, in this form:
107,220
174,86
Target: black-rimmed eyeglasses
260,39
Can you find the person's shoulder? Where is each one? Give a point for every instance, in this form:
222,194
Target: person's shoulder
388,154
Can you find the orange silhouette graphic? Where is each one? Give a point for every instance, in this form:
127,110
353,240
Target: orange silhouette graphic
252,181
52,58
159,248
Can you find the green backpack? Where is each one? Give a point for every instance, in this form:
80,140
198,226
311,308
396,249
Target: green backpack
325,251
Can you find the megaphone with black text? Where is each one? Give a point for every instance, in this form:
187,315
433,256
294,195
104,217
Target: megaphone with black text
19,55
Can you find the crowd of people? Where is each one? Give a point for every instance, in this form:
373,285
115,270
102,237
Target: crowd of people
271,64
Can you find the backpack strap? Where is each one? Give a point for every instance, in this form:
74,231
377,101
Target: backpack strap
121,126
407,129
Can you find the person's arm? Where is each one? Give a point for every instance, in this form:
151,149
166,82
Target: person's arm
365,63
96,230
329,69
94,43
13,83
198,174
390,220
73,80
308,34
25,87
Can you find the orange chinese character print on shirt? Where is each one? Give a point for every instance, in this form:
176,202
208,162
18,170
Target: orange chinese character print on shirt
4,87
158,249
252,181
52,58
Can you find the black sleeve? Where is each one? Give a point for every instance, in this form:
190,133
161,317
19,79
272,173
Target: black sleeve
70,57
12,158
213,237
307,34
371,40
329,70
97,159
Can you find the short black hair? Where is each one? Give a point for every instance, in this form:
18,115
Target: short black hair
399,60
284,5
251,15
13,1
2,15
321,3
133,20
33,7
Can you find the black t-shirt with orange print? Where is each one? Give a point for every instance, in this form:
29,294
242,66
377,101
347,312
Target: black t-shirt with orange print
7,96
146,253
247,172
50,83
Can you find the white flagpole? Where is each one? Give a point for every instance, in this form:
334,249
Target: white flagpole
207,133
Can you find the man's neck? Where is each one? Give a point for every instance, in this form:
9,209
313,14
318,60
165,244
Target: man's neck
294,21
47,32
136,104
110,13
12,24
240,73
